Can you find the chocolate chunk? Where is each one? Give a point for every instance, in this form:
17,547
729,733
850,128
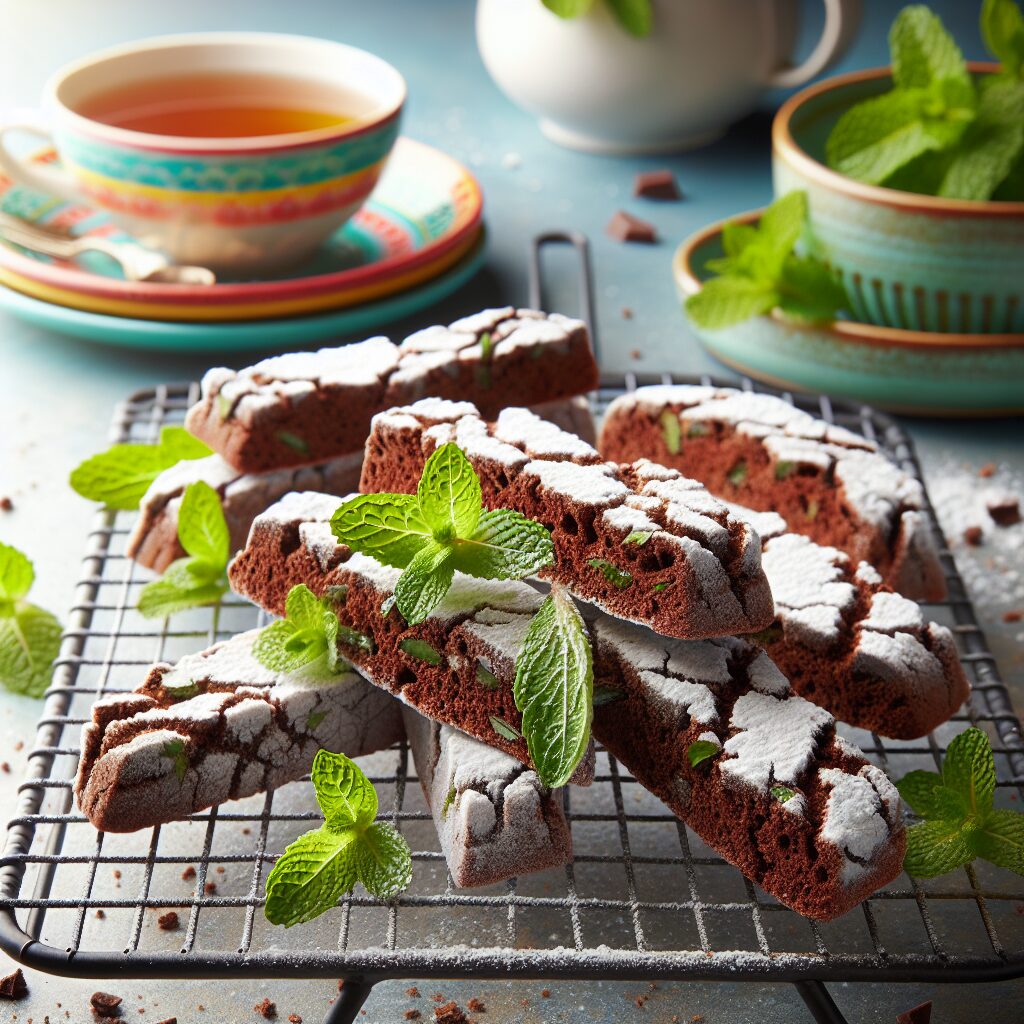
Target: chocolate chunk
169,1020
918,1015
412,1015
973,535
659,184
450,1013
294,1018
168,922
105,1005
989,469
13,986
1004,509
624,227
6,505
266,1009
1014,615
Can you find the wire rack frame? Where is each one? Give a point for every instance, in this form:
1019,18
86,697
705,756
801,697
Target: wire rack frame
967,926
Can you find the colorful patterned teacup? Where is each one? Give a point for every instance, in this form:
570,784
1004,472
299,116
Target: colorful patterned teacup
239,204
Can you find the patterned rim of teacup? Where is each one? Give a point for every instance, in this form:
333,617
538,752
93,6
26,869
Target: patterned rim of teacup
844,330
786,148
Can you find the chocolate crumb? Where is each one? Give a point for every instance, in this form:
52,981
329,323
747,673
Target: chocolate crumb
659,184
624,227
20,745
105,1005
170,1020
697,1018
545,993
413,993
220,869
524,1002
1014,615
412,1014
627,313
989,469
265,1009
13,986
5,768
246,831
973,536
6,505
450,1013
1004,509
188,874
201,1008
476,1006
437,997
168,922
920,1014
294,1018
210,888
101,914
635,354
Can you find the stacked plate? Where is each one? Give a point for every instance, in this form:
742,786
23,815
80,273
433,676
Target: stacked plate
418,238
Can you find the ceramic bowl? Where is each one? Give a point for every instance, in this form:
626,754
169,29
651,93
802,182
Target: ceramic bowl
908,261
908,371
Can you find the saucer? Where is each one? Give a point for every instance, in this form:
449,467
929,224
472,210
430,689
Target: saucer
242,336
423,218
916,372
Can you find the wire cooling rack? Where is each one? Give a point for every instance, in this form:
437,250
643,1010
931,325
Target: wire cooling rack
643,899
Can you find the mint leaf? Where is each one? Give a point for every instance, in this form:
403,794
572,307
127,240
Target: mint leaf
928,797
635,16
568,8
186,692
175,750
309,632
809,291
1002,28
311,876
554,688
606,695
724,301
503,729
449,494
1000,840
120,476
425,581
344,793
638,537
669,420
388,527
383,861
970,770
935,848
29,643
186,583
618,578
783,793
16,574
293,441
778,231
701,750
923,52
486,678
737,476
313,720
505,545
201,527
419,649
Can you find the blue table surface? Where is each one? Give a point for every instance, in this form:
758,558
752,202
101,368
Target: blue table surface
56,394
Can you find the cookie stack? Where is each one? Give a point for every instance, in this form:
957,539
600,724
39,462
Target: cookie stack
747,574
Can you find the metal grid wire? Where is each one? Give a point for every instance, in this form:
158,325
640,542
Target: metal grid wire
644,897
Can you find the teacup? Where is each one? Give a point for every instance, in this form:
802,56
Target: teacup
241,204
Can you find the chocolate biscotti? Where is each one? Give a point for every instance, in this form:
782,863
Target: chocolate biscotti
306,407
847,642
636,540
153,542
493,817
219,726
832,485
456,667
778,793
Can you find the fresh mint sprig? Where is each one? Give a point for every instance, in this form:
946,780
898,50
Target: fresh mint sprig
306,635
200,578
29,635
635,16
321,866
939,131
120,476
760,272
554,688
959,820
441,529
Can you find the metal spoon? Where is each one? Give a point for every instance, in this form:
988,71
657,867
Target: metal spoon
137,263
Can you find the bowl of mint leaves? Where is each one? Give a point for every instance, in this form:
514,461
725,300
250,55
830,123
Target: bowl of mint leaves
914,176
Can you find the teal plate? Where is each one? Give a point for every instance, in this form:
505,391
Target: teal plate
241,336
917,372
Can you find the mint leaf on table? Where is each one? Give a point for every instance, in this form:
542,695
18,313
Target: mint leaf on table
960,822
201,578
1002,28
321,866
760,272
635,16
441,529
307,634
120,476
554,688
29,635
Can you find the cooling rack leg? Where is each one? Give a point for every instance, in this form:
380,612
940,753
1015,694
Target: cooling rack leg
353,994
819,1002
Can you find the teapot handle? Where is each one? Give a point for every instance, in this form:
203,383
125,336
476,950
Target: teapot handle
842,19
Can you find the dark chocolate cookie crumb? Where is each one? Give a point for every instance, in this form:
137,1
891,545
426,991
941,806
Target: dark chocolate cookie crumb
412,1014
476,1006
13,986
545,993
659,184
101,914
973,535
413,993
437,997
169,1020
266,1009
210,888
1013,615
921,1014
6,505
188,874
989,469
169,922
450,1013
105,1005
1004,509
5,768
294,1018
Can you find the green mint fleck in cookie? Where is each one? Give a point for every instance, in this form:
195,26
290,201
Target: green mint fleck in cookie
486,678
293,441
185,692
670,431
353,638
811,512
738,474
618,578
504,730
694,428
783,793
175,750
225,406
607,695
313,720
701,750
772,634
420,649
639,537
659,587
448,800
386,605
783,469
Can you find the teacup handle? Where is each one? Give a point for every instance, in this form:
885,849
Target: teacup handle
842,19
54,181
